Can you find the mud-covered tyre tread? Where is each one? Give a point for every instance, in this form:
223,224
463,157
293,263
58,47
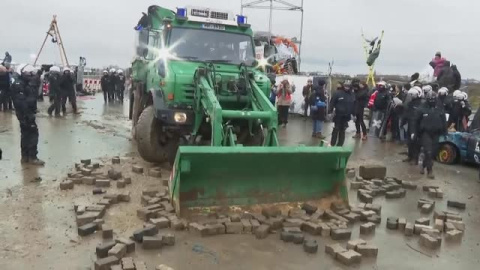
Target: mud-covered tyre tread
146,132
453,154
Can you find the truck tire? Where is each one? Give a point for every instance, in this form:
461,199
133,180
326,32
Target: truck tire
147,134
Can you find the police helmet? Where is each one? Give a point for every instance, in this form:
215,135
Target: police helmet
457,94
67,69
55,69
443,91
25,69
427,89
415,92
120,71
112,70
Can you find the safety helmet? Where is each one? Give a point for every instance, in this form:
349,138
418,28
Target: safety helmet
457,94
54,69
415,92
443,91
112,70
427,89
25,69
105,71
120,71
67,69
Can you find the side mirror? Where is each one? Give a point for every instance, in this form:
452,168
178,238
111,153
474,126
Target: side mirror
162,70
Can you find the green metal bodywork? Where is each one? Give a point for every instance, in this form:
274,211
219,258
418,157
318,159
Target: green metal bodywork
226,173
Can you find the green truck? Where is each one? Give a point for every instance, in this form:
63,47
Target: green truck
200,102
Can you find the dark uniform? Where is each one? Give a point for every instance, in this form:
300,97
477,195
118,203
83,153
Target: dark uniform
361,101
24,97
342,101
120,86
55,93
104,83
5,96
68,92
111,87
412,142
459,113
430,124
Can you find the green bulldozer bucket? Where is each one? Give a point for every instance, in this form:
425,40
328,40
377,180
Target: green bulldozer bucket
208,176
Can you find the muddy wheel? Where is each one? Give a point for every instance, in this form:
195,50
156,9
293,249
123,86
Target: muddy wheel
147,135
447,154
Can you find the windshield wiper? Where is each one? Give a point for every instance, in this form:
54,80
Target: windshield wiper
189,57
218,61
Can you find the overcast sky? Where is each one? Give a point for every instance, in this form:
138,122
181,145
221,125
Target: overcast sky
102,31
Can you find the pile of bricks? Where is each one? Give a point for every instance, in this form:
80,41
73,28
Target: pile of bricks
372,183
426,206
433,191
353,253
88,173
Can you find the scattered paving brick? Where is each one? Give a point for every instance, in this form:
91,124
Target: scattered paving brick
116,160
426,208
392,223
114,174
106,263
124,196
85,218
349,257
367,250
423,221
86,171
372,171
402,222
364,197
88,180
456,204
439,225
450,216
417,229
422,202
454,235
234,227
427,187
161,223
102,183
356,185
367,228
271,212
429,241
374,207
459,225
375,219
409,229
119,250
67,184
286,236
137,169
128,180
215,229
127,263
128,243
116,267
247,226
352,217
98,191
163,267
311,228
439,193
155,172
139,265
86,162
107,232
431,231
177,225
99,222
325,230
87,229
168,239
262,231
152,242
103,248
352,244
334,249
309,208
235,218
310,246
121,184
341,234
198,228
409,185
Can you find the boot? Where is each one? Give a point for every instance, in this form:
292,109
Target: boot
430,175
25,160
422,170
357,136
37,162
364,137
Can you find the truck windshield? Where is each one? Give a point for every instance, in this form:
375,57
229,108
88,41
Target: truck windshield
211,46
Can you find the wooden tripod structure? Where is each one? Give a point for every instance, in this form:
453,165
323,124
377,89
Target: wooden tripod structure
54,32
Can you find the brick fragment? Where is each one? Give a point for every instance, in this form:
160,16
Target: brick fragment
271,212
128,180
402,222
85,171
439,193
128,243
119,250
127,263
262,231
116,267
114,174
341,234
116,160
137,169
429,241
87,229
155,172
311,228
102,183
352,244
454,235
103,248
439,225
372,171
364,197
107,232
88,180
65,185
409,185
247,226
309,208
417,229
161,223
168,239
124,196
459,225
367,228
121,184
286,236
427,187
106,263
298,238
177,224
310,246
409,229
255,224
334,249
152,242
234,227
456,204
423,221
356,185
197,228
392,223
374,207
426,208
367,250
349,257
139,265
325,230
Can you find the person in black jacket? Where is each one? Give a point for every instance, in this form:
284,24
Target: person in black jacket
4,89
54,90
104,83
342,102
317,109
68,91
381,104
120,85
24,97
457,78
430,124
459,112
413,103
360,90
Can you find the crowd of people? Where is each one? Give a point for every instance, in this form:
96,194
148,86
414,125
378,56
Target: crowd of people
113,85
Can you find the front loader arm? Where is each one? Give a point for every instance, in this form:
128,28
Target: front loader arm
208,104
265,105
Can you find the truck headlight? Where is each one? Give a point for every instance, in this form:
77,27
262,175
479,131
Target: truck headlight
180,117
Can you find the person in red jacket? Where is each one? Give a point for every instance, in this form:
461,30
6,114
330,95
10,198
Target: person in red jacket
437,64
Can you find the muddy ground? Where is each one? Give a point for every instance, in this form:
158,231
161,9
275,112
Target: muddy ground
37,224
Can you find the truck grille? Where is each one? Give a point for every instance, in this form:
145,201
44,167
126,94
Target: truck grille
189,90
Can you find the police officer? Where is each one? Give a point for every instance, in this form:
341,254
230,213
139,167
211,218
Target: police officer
445,100
342,102
460,111
104,83
430,124
25,100
111,85
120,85
413,103
54,90
4,87
68,91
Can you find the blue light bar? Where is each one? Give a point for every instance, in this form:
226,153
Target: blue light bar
181,12
241,19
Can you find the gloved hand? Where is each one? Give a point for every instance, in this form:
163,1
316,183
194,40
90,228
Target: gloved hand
354,118
412,136
463,104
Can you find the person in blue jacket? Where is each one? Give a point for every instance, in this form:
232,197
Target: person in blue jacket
318,110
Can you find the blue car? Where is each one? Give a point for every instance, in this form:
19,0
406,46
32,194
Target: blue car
461,146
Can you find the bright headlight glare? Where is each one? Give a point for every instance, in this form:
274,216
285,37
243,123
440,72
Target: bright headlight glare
263,62
180,117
